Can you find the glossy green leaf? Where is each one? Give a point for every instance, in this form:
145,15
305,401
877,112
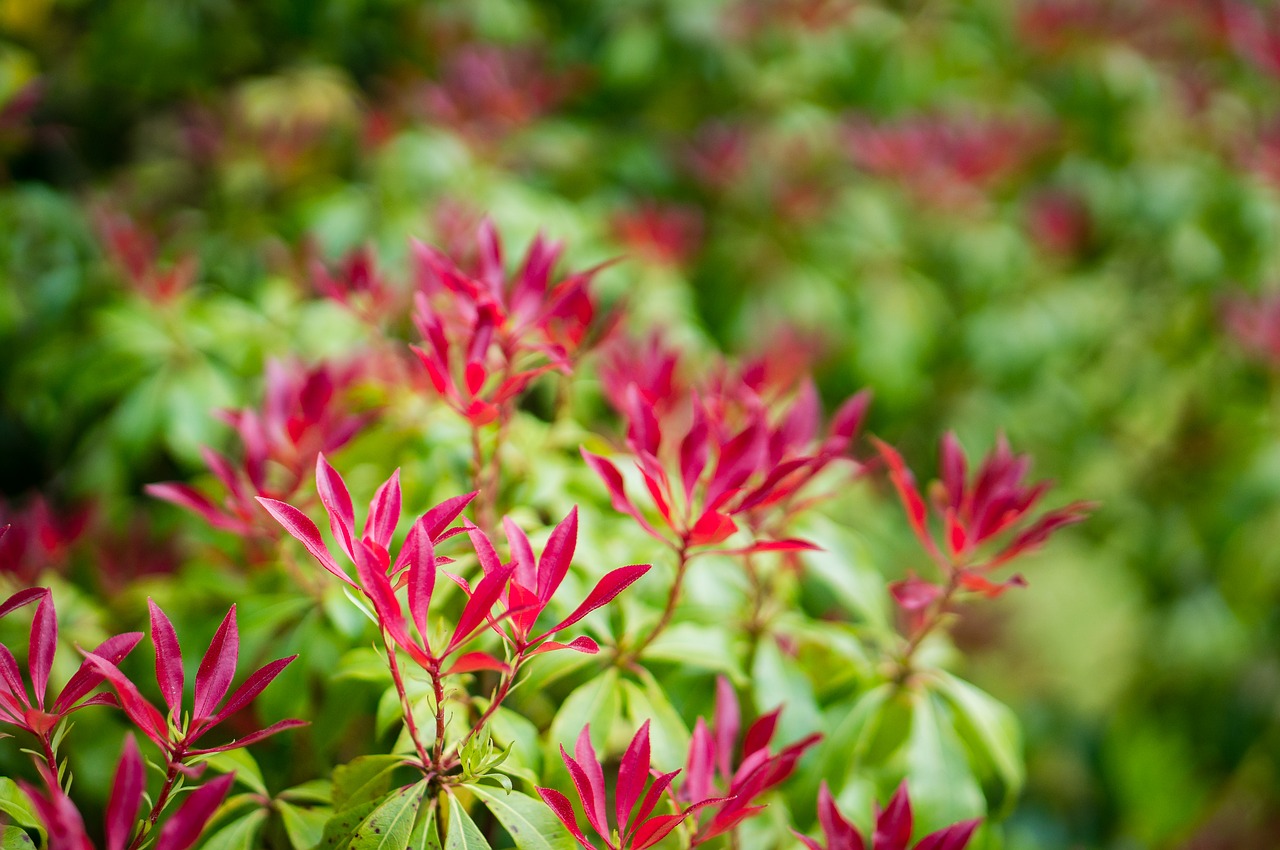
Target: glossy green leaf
426,834
596,703
530,823
388,826
15,805
242,764
990,732
305,827
463,832
15,838
363,779
240,834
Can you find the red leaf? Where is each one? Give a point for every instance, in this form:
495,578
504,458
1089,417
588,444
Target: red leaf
905,484
655,829
438,518
525,566
114,649
701,766
971,580
613,583
421,557
168,660
893,825
581,644
252,686
469,662
693,452
727,721
44,643
304,531
337,503
12,678
711,528
617,490
384,512
184,827
186,496
253,737
479,606
955,837
588,776
557,555
217,667
143,714
22,597
126,796
838,831
563,809
633,773
914,593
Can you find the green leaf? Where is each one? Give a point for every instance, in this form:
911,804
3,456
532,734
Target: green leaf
693,645
341,826
669,736
240,834
514,730
530,823
990,732
594,703
943,788
425,836
776,679
388,826
14,803
15,838
313,791
243,766
305,827
463,832
363,779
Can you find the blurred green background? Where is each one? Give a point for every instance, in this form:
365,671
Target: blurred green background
1059,219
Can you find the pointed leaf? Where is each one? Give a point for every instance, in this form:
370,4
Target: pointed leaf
613,583
168,659
217,667
384,512
114,649
126,796
185,825
305,532
44,643
528,822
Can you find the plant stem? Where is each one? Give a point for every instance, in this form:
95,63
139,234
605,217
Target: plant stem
405,705
673,597
170,779
933,618
437,686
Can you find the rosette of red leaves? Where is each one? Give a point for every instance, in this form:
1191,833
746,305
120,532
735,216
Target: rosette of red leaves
996,504
39,715
716,761
486,337
302,416
377,578
893,828
724,453
534,582
635,825
66,826
177,732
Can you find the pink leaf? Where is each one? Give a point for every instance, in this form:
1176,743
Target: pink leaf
252,686
44,643
617,490
22,597
955,837
126,796
633,773
908,493
613,583
893,825
581,644
469,662
384,512
337,503
838,831
480,604
186,496
563,809
88,677
420,555
304,530
438,518
711,528
217,667
184,827
253,737
557,555
588,776
143,714
727,724
168,660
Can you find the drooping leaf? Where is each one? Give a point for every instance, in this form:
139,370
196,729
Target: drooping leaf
305,827
363,779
